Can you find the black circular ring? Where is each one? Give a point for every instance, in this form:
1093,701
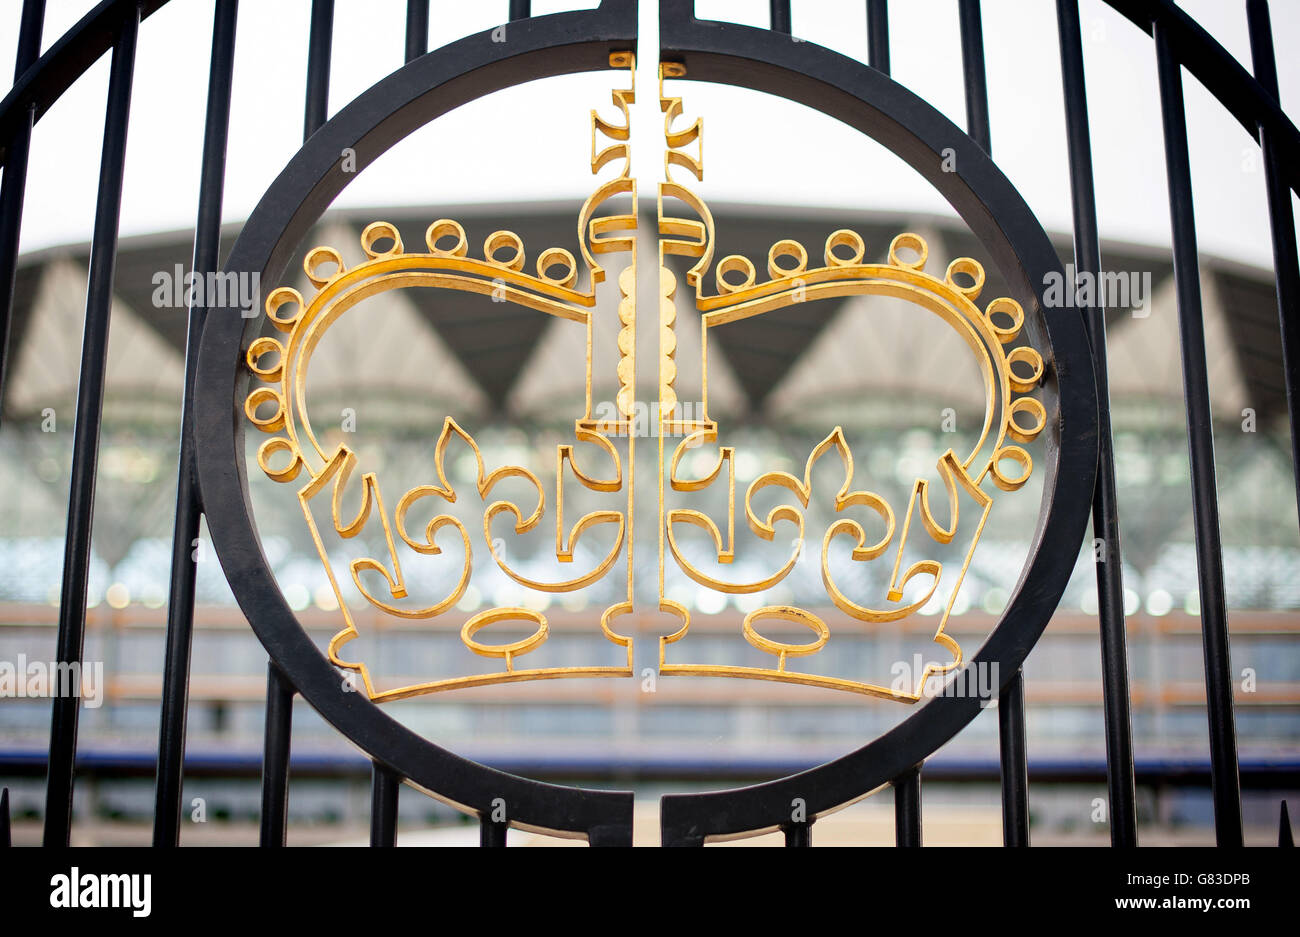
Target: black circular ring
568,43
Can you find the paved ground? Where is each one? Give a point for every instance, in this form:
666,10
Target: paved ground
863,824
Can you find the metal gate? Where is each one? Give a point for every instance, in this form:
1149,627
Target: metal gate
1080,479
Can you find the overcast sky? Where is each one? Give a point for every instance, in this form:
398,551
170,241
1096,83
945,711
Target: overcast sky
758,149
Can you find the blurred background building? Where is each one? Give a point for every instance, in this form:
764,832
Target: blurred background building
900,393
903,388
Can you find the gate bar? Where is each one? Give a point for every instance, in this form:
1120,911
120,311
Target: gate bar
1011,703
86,432
1282,224
275,757
6,840
972,58
279,691
491,834
385,788
185,538
1105,512
318,66
417,28
520,10
1014,762
1200,443
798,834
13,184
780,16
878,35
907,808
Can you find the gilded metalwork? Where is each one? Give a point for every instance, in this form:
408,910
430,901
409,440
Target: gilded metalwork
277,406
739,294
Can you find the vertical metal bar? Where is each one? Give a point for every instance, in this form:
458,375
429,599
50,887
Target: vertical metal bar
798,834
13,184
1200,443
318,66
1011,704
490,833
385,787
13,187
1105,511
6,839
780,16
1284,834
520,9
275,757
279,691
1014,762
417,28
878,35
85,434
972,59
907,808
1282,223
29,36
180,601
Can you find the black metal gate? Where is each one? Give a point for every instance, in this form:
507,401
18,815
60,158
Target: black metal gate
210,479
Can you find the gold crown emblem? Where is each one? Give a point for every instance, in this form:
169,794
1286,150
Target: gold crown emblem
419,516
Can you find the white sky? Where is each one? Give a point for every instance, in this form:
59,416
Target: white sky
758,149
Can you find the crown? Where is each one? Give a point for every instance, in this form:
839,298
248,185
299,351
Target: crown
421,522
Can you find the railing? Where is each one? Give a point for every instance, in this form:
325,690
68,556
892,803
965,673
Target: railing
113,26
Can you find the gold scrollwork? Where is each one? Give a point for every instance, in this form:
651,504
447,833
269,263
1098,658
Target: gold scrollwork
564,286
277,406
740,293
